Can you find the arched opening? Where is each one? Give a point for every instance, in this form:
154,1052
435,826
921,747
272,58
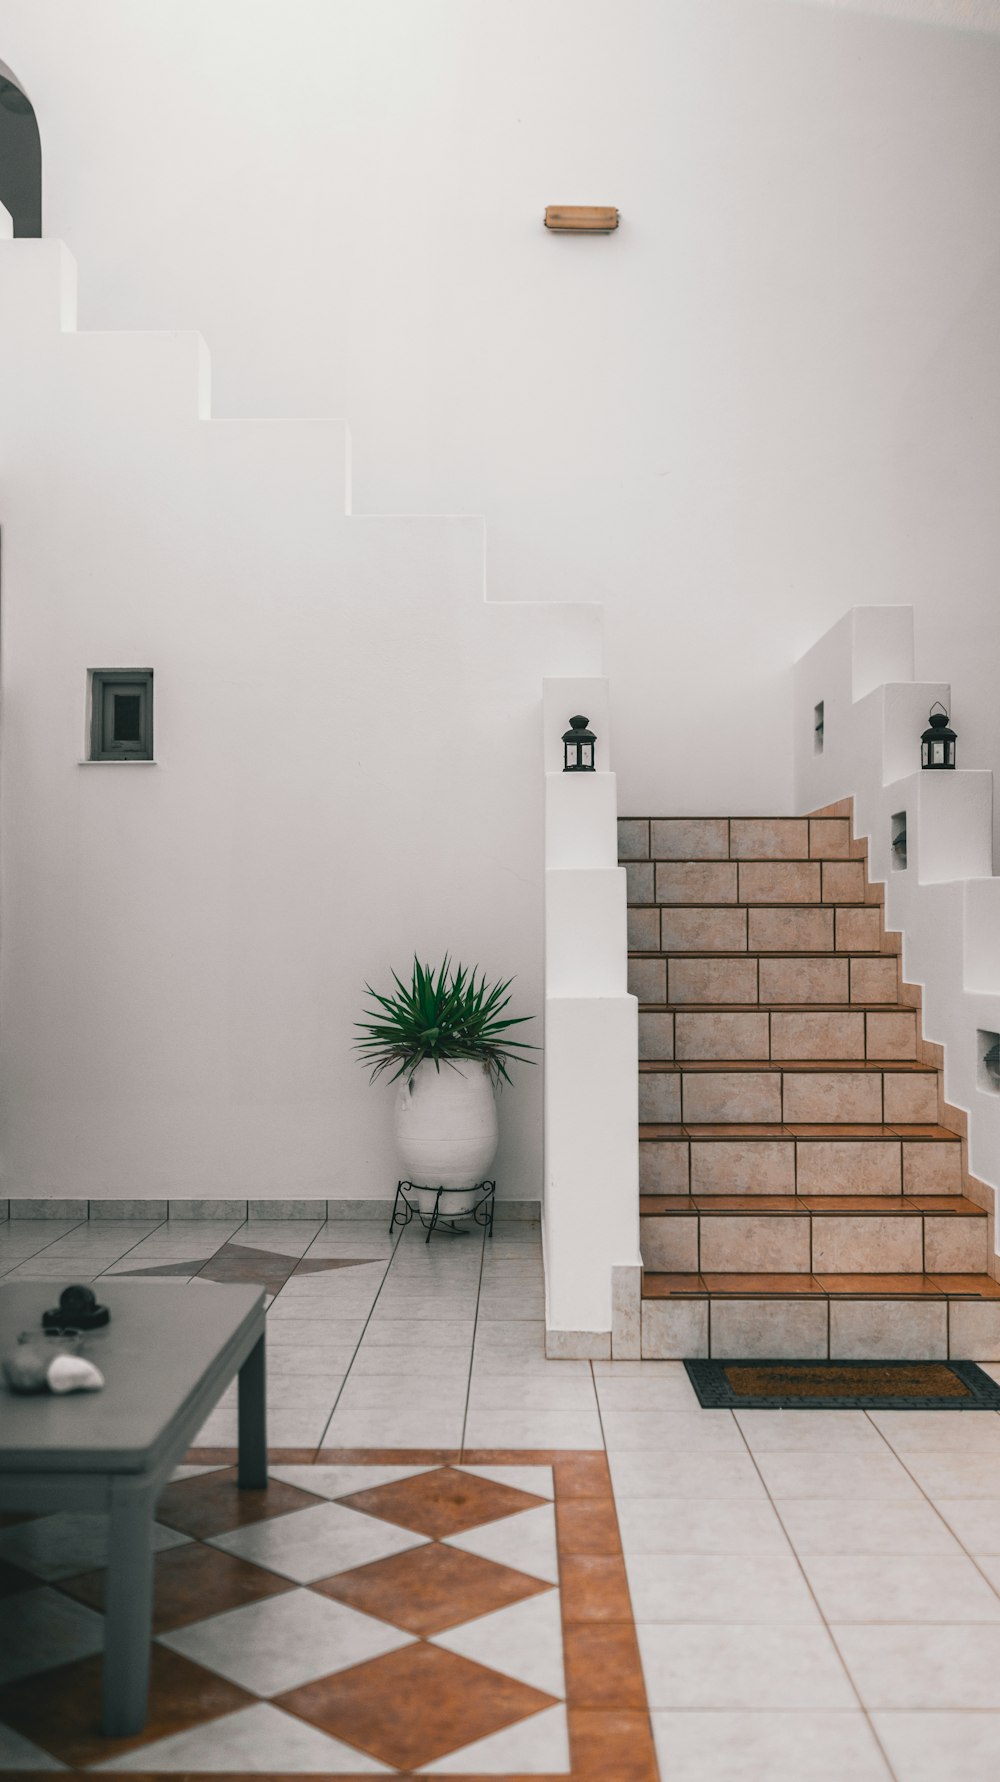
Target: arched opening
20,157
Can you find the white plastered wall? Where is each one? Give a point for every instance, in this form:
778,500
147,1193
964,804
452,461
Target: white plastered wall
346,737
774,390
946,901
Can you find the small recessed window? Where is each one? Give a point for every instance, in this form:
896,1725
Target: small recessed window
121,726
818,728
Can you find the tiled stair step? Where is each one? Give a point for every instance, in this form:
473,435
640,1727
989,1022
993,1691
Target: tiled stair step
830,1091
815,1034
787,882
807,1160
737,838
808,1317
742,928
821,1234
734,980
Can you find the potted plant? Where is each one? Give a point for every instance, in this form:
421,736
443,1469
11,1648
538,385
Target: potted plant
448,1037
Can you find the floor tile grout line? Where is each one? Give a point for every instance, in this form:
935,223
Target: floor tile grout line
819,1607
472,1345
929,1500
43,1247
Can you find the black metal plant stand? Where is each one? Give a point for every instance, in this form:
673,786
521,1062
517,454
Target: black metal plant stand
481,1213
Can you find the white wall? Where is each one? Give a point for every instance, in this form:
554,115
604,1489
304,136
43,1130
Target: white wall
773,393
347,742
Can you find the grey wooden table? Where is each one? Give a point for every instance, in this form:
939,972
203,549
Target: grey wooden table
167,1356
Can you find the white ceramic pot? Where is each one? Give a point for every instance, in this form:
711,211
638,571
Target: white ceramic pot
446,1130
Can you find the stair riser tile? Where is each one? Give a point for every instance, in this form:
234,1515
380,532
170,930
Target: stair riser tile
659,1098
722,1036
758,1166
974,1330
867,1245
888,1330
865,1166
804,980
670,1246
769,838
644,930
640,882
955,1246
709,1098
844,881
910,1097
792,931
664,1168
932,1168
656,1037
703,931
688,839
874,980
647,979
675,1330
822,1097
633,838
760,1329
891,1036
712,980
696,882
829,838
858,930
819,1036
732,1244
798,882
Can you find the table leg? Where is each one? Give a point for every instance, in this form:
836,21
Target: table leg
129,1610
253,1421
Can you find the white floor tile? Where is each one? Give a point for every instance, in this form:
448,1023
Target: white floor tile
394,1428
261,1739
937,1432
284,1641
834,1525
933,1747
659,1474
316,1542
526,1541
742,1667
42,1628
956,1475
552,1392
781,1747
339,1481
694,1587
523,1640
536,1746
20,1754
919,1588
923,1667
874,1477
677,1432
646,1392
699,1525
68,1543
809,1432
490,1426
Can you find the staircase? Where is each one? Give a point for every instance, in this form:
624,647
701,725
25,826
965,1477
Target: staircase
800,1195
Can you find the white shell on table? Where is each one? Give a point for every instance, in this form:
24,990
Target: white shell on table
73,1373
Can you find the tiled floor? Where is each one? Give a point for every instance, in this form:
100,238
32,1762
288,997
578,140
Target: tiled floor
438,1580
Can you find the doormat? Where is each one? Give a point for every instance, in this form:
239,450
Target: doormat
843,1385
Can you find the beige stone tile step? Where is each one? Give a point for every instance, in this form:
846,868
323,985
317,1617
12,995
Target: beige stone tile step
841,1234
800,1160
740,928
731,980
737,838
764,1035
794,882
810,1091
807,1317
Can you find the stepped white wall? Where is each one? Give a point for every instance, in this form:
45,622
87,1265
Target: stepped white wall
347,744
774,391
946,902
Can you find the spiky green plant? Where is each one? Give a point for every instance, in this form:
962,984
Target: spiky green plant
441,1015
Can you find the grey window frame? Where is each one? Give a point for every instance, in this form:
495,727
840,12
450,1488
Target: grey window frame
103,683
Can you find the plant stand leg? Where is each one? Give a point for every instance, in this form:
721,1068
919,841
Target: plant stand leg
434,1216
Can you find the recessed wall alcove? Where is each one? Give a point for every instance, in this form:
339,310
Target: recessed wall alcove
20,156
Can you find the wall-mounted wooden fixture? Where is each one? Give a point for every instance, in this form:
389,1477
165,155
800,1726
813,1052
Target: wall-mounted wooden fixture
581,219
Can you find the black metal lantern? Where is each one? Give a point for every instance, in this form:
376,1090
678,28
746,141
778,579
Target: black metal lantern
937,745
578,747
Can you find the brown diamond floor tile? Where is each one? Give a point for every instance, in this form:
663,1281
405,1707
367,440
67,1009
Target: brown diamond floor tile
256,1268
414,1706
612,1746
60,1710
444,1502
430,1588
214,1504
190,1583
594,1587
319,1265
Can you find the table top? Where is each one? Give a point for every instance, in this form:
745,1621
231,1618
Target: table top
165,1341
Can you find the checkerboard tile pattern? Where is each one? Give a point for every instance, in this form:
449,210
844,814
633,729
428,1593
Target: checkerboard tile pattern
369,1614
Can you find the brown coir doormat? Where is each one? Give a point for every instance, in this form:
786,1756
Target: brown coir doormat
843,1385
